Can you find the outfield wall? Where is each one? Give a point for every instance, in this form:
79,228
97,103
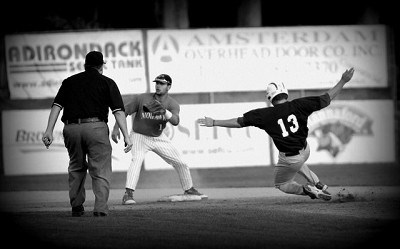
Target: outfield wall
356,131
220,73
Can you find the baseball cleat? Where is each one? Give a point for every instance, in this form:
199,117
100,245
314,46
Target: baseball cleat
311,191
193,191
325,195
321,186
128,200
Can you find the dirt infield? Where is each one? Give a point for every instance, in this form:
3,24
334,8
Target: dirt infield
230,218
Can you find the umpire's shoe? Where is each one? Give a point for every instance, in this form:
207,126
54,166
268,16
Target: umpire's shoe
128,199
78,211
193,191
99,214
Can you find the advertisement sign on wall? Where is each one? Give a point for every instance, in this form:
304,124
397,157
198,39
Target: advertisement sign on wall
215,147
202,60
25,154
246,59
356,131
23,149
38,63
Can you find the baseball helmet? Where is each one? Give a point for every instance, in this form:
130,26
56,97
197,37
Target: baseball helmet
163,78
273,89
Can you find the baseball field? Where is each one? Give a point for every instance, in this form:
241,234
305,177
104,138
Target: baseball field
243,211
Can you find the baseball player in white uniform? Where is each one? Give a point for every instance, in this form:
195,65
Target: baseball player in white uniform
147,135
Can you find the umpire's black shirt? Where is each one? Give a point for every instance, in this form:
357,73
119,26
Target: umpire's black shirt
88,94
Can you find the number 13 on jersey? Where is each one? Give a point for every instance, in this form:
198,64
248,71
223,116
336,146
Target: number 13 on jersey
294,125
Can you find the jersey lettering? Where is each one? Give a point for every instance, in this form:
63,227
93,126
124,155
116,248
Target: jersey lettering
294,125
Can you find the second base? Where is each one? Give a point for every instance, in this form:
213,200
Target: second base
180,197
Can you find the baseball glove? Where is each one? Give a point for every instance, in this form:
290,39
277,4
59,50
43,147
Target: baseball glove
154,107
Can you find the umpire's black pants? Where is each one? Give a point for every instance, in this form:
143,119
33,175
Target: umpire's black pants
89,148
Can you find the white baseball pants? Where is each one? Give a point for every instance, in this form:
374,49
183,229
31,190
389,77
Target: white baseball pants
163,147
287,168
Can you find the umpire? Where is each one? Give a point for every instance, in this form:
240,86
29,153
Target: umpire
85,98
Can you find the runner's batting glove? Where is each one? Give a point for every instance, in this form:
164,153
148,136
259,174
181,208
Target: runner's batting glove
154,107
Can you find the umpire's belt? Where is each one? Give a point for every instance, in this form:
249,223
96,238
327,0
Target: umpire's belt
296,152
83,120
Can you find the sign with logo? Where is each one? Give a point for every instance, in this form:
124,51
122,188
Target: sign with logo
201,147
38,63
357,131
25,154
23,149
247,59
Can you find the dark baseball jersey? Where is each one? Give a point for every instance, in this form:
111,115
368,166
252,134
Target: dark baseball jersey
147,123
286,123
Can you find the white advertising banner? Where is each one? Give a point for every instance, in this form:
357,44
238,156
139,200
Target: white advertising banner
206,147
23,149
201,147
356,131
246,59
38,63
25,154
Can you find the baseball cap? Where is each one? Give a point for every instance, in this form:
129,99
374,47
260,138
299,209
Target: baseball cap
163,78
94,58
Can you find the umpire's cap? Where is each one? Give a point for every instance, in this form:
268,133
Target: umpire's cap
164,79
94,58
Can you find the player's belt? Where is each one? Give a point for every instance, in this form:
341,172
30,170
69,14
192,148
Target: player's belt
296,152
83,120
